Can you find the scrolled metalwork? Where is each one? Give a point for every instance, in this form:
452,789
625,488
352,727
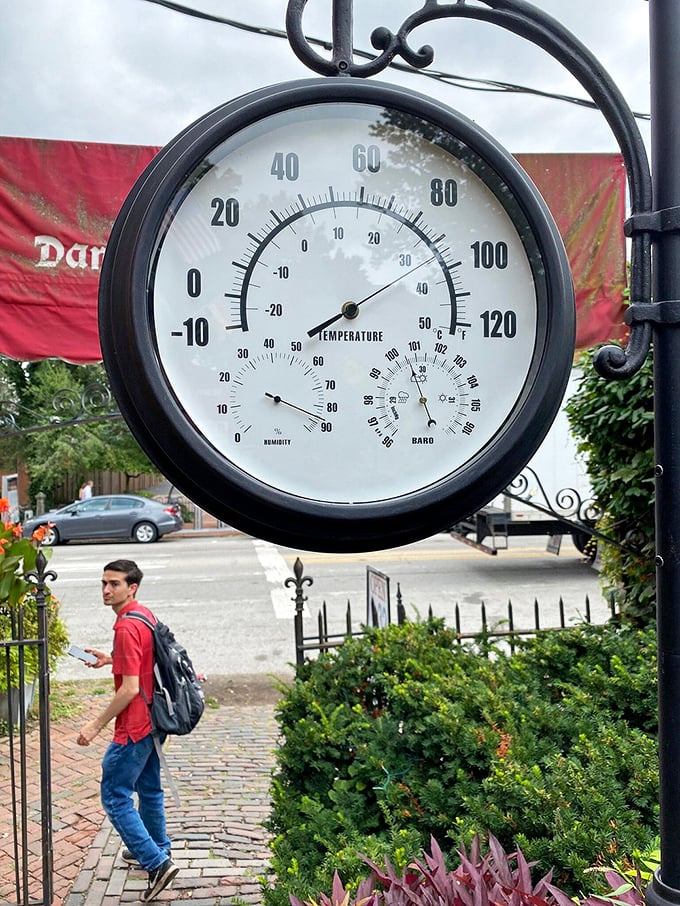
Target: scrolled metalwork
70,404
7,417
568,503
531,23
71,407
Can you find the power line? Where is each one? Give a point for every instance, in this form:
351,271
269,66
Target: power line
448,78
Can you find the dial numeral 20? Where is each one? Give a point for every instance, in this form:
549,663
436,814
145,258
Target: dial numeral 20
227,212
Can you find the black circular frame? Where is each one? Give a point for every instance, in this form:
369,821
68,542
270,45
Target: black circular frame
165,430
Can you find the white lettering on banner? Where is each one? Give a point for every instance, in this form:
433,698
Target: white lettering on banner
79,255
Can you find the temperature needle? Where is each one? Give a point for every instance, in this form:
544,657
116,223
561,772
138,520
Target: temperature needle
351,309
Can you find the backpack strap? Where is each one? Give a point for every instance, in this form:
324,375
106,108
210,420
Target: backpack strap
135,615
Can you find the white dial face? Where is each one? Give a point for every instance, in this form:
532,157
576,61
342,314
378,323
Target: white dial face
342,306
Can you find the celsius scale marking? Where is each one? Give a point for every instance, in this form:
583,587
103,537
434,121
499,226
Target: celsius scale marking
243,279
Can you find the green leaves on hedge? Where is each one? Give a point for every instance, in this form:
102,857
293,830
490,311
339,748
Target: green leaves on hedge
613,422
405,734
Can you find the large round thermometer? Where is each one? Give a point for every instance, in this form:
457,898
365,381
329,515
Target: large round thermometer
337,315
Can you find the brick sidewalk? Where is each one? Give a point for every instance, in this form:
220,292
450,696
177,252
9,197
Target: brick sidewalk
222,771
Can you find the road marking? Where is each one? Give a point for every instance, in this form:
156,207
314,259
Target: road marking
276,571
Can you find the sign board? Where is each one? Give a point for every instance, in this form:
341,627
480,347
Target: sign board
377,598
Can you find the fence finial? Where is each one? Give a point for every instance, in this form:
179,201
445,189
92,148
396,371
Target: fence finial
298,580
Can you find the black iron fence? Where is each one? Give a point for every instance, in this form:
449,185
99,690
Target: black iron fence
506,628
502,629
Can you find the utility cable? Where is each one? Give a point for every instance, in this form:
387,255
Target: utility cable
448,78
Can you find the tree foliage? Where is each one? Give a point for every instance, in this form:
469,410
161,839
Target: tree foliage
613,423
53,393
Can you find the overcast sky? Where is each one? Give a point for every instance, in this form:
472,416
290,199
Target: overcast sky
133,72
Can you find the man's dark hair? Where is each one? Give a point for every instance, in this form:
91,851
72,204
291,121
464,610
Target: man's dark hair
133,574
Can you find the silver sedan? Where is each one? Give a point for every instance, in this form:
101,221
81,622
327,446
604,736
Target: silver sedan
114,516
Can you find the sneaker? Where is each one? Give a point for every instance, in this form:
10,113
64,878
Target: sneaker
130,860
159,879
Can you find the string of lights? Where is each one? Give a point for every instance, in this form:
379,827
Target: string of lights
452,79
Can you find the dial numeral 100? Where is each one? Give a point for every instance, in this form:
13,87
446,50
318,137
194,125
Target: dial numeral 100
490,254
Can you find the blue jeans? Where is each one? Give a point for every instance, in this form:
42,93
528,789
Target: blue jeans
135,768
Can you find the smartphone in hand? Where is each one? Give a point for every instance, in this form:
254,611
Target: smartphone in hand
82,655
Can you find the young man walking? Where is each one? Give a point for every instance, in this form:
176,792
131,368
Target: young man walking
131,763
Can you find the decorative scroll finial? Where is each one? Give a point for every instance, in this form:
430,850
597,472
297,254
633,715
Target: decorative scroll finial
342,49
531,23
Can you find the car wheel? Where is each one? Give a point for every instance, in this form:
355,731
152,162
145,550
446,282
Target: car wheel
51,537
145,533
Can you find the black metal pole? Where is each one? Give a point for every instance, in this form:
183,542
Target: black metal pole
45,749
343,11
664,20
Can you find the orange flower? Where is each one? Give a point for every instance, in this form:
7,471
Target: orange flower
17,531
39,534
4,505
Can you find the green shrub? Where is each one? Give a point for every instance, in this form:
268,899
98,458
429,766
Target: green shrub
613,422
404,735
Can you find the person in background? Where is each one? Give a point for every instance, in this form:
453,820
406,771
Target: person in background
86,490
131,764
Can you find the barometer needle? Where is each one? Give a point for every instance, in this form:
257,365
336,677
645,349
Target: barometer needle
278,399
423,399
351,309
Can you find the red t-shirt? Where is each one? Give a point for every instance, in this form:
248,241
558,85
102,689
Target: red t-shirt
133,656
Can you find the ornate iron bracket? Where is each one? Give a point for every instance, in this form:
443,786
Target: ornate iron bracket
93,404
534,25
568,507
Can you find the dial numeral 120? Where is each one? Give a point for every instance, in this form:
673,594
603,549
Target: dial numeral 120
499,323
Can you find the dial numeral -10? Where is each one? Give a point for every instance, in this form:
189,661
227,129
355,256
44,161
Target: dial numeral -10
196,331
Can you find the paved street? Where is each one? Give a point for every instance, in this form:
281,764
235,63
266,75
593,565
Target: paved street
224,595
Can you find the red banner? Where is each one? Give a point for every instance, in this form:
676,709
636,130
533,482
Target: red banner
58,201
586,194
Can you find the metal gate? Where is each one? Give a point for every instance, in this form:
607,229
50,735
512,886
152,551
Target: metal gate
27,791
